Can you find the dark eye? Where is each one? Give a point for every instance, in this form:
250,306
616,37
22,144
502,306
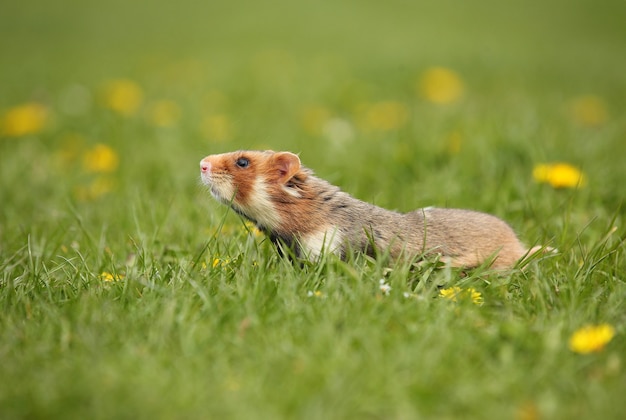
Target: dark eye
242,162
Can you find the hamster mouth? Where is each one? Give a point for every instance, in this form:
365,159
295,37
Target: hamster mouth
218,189
209,181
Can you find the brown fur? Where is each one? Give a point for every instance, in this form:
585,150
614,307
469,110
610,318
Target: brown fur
294,207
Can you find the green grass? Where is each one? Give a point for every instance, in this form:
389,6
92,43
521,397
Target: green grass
177,337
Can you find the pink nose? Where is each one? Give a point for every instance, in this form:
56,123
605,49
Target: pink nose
205,166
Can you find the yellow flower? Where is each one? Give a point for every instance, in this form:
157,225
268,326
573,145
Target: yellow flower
217,262
108,277
164,113
316,293
123,96
382,116
454,293
589,110
591,338
440,85
559,175
251,228
100,158
24,119
217,127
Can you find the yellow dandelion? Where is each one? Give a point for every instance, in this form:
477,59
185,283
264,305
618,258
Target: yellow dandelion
589,111
100,158
24,119
164,113
591,338
217,127
382,116
559,175
450,293
218,262
109,277
123,96
252,229
476,296
316,293
313,118
455,293
440,85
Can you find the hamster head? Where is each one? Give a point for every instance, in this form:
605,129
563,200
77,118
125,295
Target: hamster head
251,182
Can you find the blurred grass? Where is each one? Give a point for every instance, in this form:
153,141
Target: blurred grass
107,189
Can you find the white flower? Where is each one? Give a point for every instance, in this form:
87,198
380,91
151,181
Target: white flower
384,287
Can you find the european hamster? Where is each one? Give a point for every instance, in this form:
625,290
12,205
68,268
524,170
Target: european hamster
294,208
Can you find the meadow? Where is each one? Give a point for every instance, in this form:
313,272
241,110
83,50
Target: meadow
126,291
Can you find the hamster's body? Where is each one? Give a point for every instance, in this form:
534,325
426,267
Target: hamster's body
295,208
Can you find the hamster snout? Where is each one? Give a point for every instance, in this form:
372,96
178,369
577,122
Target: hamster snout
205,167
205,172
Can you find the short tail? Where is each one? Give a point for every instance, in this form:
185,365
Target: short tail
543,249
537,252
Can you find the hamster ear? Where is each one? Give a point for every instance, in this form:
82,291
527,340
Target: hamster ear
287,165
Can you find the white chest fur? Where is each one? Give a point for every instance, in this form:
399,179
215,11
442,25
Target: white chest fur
326,240
261,209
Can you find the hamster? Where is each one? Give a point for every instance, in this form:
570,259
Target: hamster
298,210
